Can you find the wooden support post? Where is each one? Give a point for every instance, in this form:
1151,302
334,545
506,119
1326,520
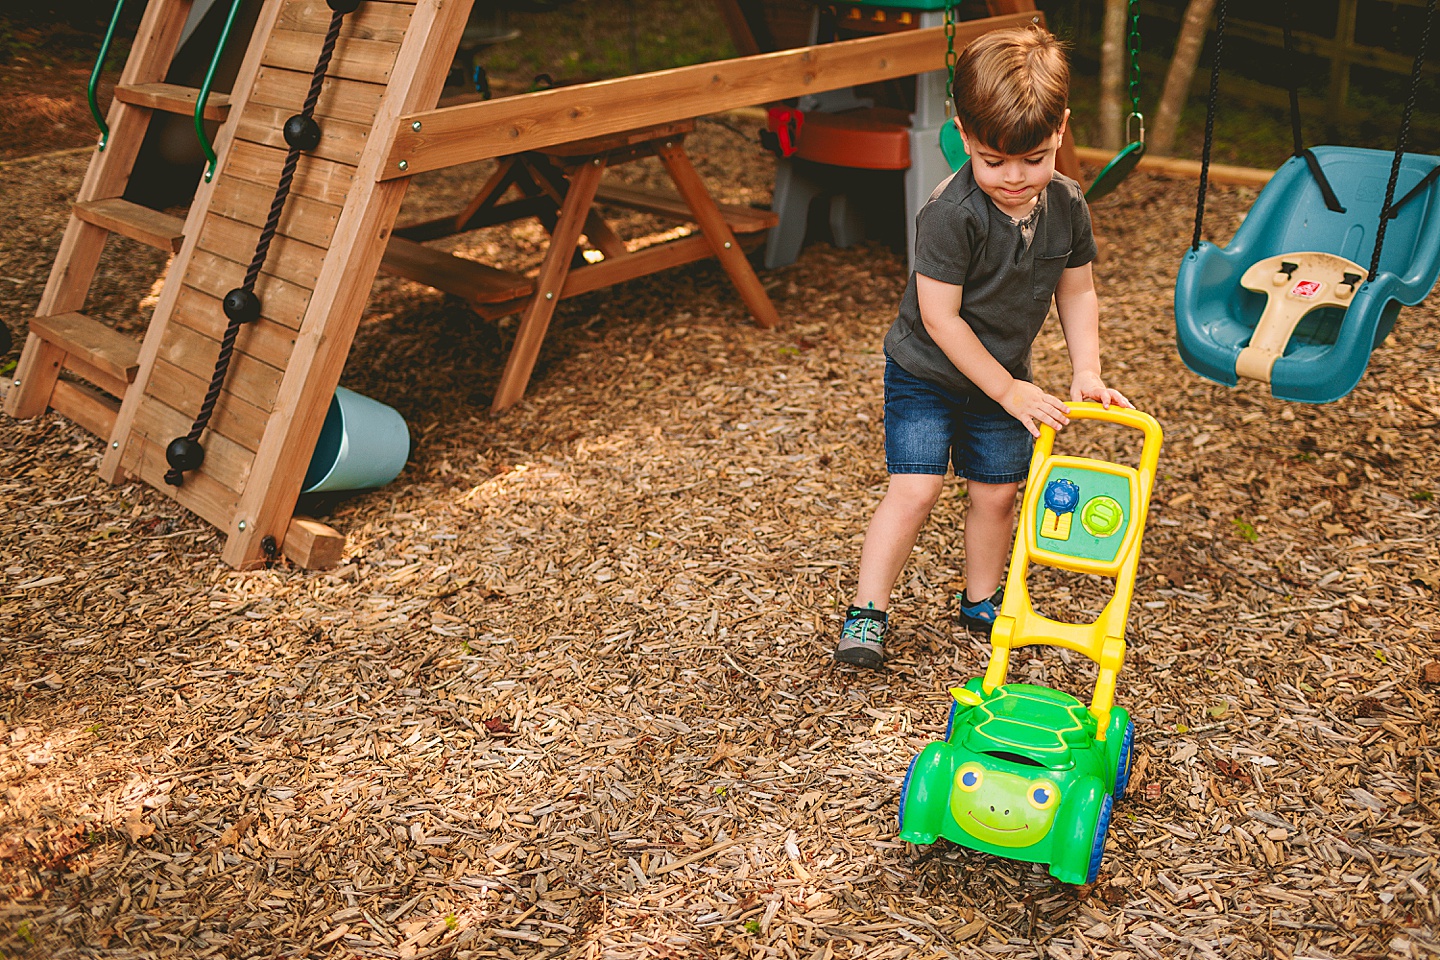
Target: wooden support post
548,284
714,229
446,137
80,248
34,379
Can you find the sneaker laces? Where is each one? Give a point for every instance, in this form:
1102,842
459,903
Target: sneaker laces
860,622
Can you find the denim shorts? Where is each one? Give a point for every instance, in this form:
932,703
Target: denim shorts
928,429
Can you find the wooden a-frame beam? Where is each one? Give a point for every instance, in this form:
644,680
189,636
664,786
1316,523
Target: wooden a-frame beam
449,136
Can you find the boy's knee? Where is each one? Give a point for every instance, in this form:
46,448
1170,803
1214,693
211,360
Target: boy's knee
917,491
993,497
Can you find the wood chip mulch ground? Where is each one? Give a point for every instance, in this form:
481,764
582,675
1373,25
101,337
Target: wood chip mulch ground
570,692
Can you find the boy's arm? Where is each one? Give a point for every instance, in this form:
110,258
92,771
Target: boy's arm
1079,310
940,312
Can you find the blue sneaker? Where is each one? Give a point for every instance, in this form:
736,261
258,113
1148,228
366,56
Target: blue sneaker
980,614
862,639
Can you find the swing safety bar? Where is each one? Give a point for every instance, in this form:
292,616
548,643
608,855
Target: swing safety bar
200,101
201,135
95,76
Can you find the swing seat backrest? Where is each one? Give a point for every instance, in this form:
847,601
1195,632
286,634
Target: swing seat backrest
1326,356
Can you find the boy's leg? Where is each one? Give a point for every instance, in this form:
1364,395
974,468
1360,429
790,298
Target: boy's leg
989,524
993,455
888,542
892,534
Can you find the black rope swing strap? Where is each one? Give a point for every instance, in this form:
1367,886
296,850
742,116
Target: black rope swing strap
241,306
1388,212
1292,69
1209,125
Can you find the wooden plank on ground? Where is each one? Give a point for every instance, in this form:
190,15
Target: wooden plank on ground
475,131
1179,167
313,545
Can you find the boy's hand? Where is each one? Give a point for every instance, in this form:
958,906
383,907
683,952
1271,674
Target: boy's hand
1033,406
1089,386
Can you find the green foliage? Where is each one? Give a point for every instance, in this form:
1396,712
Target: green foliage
1245,530
599,39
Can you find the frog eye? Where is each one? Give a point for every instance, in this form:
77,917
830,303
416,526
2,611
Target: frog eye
1043,795
969,777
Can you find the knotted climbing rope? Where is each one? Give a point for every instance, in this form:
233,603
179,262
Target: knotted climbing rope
241,305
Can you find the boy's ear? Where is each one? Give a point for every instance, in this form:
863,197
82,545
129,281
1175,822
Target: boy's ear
964,137
1064,122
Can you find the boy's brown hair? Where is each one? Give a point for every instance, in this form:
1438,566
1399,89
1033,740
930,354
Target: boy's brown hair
1011,88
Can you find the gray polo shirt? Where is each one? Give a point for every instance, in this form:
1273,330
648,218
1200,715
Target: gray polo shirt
962,238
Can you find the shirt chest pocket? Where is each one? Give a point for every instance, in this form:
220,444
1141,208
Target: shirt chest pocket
1045,276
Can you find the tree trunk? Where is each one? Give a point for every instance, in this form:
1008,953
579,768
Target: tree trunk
1161,138
1114,64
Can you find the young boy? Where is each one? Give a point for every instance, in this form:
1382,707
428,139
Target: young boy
994,244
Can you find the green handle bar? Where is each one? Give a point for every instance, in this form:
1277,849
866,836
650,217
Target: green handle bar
95,76
210,158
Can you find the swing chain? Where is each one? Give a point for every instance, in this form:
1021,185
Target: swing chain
1134,39
950,60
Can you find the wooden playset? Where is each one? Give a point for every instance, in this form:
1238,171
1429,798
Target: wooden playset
331,113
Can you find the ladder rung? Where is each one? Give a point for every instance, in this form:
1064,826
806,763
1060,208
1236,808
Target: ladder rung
151,227
89,341
85,406
173,98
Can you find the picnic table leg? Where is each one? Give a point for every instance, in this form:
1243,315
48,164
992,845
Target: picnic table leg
536,318
714,229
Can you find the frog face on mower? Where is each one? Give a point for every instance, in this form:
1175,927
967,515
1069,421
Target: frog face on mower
1003,808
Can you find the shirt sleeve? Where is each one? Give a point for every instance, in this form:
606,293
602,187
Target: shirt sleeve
944,242
1082,236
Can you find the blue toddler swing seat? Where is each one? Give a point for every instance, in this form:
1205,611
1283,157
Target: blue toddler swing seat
1286,302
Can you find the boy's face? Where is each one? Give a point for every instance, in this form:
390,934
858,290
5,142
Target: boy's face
1013,181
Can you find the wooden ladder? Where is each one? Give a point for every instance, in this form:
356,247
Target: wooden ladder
103,362
390,59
